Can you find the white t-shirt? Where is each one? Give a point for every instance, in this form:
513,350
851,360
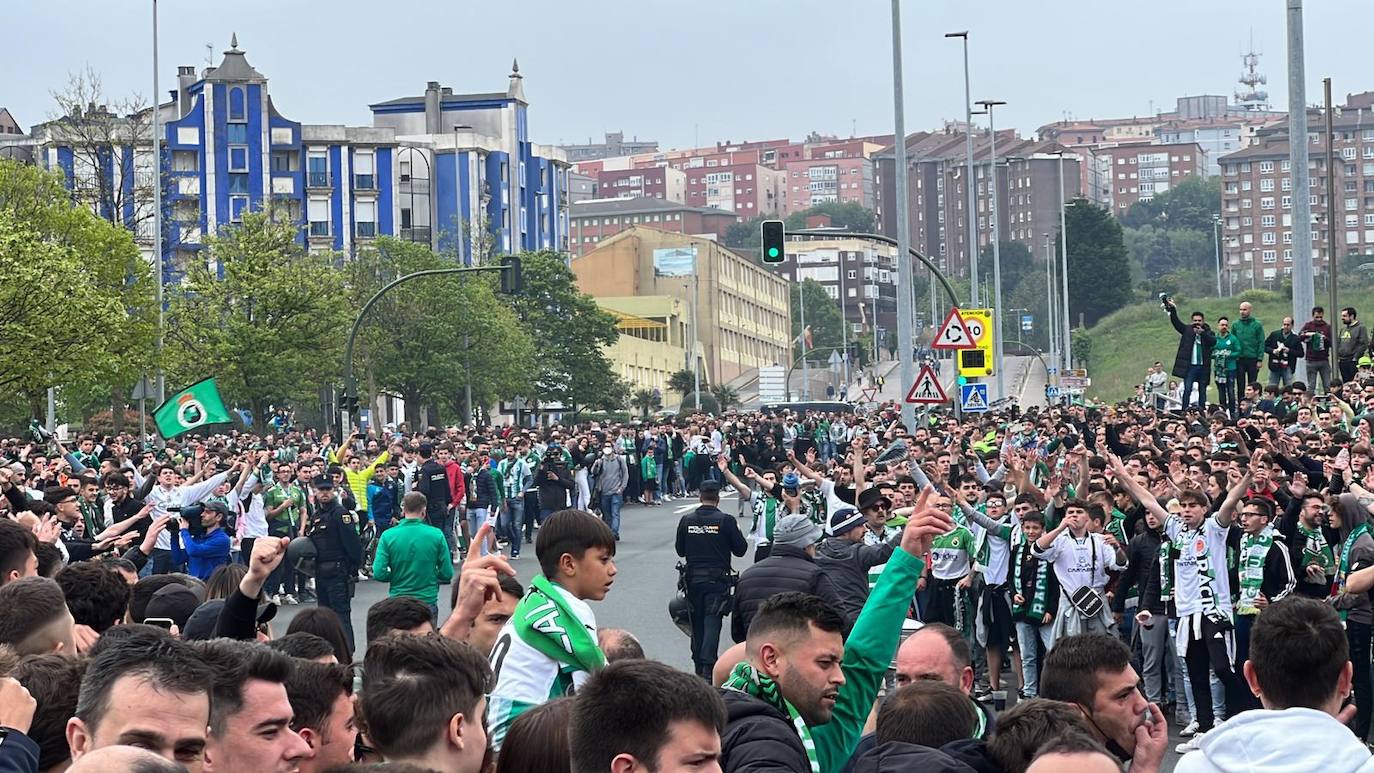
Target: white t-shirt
1073,562
526,677
1208,541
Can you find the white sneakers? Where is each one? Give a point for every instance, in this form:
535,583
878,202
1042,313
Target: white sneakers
1192,744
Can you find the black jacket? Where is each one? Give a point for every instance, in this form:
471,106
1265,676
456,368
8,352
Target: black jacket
432,481
1142,563
1184,357
1284,349
758,737
706,537
787,568
335,535
553,493
898,757
847,564
1293,539
483,489
1279,580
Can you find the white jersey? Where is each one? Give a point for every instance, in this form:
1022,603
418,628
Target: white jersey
526,677
1190,581
164,499
1080,562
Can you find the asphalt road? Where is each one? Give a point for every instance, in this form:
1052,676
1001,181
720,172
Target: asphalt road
646,579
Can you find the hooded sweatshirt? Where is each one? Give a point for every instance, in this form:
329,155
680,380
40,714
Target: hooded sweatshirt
1267,741
1354,606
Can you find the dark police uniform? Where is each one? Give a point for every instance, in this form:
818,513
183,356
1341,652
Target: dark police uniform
706,538
338,555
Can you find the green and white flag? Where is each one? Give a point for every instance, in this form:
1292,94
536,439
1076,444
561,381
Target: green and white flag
195,406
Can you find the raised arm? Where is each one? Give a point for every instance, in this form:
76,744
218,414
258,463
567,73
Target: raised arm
1225,514
733,479
1138,492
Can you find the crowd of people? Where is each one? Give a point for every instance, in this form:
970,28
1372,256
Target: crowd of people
1047,590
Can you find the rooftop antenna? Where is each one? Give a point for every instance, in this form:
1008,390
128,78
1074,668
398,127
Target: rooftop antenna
209,54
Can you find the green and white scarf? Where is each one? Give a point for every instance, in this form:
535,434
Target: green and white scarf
1166,571
746,679
543,620
1253,551
1033,608
1315,551
767,509
1338,586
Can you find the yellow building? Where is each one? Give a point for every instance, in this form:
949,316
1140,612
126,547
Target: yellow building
743,308
653,340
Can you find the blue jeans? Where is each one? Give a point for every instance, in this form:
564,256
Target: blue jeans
1282,377
679,482
511,523
662,481
476,517
1030,638
610,511
1197,374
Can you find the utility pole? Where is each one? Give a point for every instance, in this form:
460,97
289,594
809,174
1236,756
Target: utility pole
1330,203
968,179
996,229
1216,241
806,367
1051,308
905,305
157,214
1304,293
1064,274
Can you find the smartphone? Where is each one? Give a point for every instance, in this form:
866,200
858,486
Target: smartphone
160,622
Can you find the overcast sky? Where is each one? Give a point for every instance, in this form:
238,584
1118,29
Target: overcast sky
678,71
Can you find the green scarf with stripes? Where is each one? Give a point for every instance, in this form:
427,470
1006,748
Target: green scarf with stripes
746,679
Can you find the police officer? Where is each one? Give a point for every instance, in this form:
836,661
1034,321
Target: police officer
338,552
706,538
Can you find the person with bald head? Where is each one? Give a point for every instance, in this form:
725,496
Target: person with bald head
125,759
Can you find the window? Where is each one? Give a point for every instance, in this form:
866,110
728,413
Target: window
1267,202
1268,238
1267,221
237,206
1352,221
1245,185
364,179
851,274
1266,166
237,108
1286,184
1287,202
317,170
1287,256
1347,153
1351,237
318,214
1267,184
365,216
1351,204
238,158
238,183
237,133
1269,256
286,161
1286,165
1287,237
185,161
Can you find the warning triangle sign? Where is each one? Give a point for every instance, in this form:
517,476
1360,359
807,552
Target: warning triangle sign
927,388
953,334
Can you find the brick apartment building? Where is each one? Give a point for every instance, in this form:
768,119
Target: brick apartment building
650,183
1126,174
596,220
1257,197
1028,182
860,275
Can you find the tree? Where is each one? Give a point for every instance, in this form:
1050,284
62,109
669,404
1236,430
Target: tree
726,397
1017,262
268,321
569,332
111,265
646,401
849,215
822,316
430,339
684,381
708,403
744,236
1189,205
1098,264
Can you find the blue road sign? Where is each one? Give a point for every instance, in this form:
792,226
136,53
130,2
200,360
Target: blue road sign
973,398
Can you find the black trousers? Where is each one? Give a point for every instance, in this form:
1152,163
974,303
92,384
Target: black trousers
705,599
1347,370
1357,634
1247,372
331,588
1208,653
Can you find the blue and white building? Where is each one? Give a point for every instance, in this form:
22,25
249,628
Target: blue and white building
456,171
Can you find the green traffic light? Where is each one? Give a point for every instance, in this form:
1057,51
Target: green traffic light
963,380
772,252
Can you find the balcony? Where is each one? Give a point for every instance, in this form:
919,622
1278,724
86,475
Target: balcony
318,181
419,233
364,182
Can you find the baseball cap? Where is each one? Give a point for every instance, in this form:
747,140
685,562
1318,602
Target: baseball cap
202,623
843,520
175,602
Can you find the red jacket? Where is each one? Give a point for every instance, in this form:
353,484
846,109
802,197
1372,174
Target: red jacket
458,494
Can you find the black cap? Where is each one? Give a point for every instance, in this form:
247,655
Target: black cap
709,489
322,482
173,601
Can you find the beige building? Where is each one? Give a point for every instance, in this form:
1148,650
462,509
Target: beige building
742,307
655,332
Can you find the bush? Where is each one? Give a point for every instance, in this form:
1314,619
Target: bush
1259,295
102,422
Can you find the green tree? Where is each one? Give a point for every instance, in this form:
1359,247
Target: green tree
1017,262
822,316
263,316
1098,262
744,236
646,401
110,264
849,215
1189,205
684,381
726,397
569,332
431,338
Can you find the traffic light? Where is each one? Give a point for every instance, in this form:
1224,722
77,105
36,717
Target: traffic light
348,402
773,233
512,278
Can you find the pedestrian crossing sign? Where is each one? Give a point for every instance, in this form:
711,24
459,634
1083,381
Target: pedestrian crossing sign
973,398
927,388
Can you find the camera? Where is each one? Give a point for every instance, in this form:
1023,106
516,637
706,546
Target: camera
1165,301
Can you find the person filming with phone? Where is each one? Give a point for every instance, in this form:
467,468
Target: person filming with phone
1193,361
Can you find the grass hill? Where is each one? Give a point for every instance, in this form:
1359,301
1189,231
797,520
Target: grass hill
1126,342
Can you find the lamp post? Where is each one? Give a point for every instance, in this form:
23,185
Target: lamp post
157,213
1064,273
1216,241
988,105
968,181
905,301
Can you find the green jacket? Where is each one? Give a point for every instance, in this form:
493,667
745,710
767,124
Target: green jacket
867,654
1225,352
413,556
1251,335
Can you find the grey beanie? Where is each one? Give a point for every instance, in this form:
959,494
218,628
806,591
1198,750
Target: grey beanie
796,530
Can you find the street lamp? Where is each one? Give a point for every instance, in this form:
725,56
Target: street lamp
161,389
988,105
968,183
1216,241
1064,273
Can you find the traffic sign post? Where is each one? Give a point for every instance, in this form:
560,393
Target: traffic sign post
927,390
973,398
954,333
978,361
